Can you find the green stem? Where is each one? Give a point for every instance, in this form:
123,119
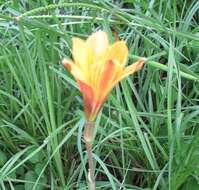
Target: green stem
88,138
61,5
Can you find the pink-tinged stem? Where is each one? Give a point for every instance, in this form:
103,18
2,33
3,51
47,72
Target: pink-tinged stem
88,138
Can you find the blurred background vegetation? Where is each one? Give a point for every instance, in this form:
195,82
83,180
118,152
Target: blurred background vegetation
147,135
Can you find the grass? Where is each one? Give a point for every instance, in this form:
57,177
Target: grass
147,133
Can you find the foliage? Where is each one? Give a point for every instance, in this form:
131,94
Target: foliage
147,134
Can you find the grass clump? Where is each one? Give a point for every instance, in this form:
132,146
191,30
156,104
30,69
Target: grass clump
148,132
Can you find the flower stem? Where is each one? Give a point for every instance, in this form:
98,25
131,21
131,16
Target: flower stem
88,138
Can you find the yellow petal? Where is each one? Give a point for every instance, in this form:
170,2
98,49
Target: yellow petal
98,43
74,70
79,52
118,51
96,70
133,68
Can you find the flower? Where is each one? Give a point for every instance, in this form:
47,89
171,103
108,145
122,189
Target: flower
97,67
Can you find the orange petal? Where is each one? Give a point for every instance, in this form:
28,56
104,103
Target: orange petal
95,96
118,51
67,63
74,70
133,68
112,70
88,97
98,43
107,74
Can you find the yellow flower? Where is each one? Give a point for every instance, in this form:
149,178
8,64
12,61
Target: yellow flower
98,66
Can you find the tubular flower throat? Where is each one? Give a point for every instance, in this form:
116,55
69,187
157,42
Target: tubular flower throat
97,67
